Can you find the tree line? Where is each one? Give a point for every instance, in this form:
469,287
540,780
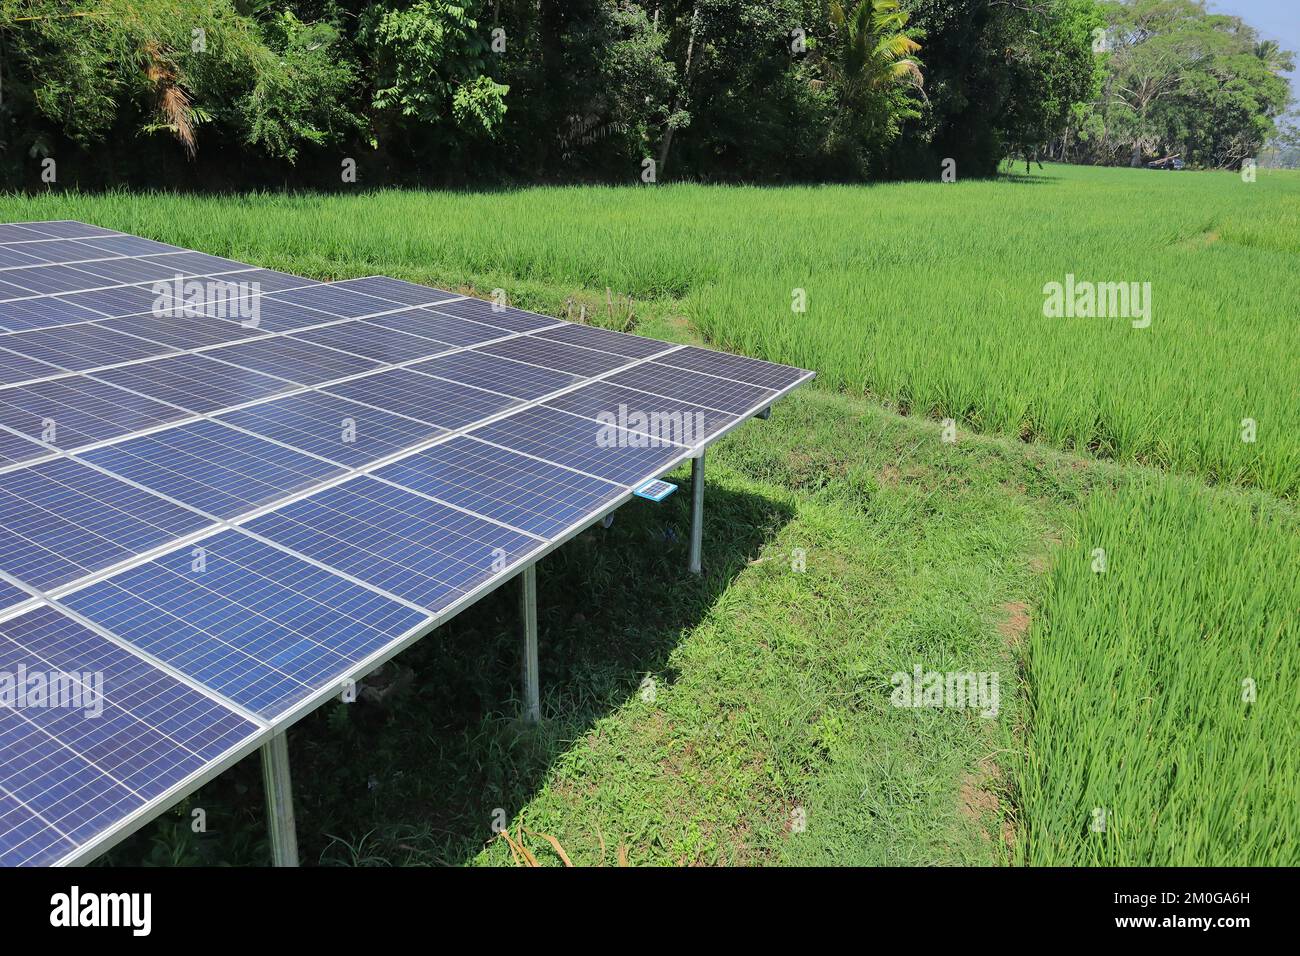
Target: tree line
317,93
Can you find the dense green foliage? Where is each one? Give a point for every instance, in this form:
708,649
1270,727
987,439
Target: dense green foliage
240,93
1180,81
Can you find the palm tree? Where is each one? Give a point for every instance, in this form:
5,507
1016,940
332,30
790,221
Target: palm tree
874,51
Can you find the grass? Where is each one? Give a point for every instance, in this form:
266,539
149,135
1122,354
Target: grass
1121,691
1163,692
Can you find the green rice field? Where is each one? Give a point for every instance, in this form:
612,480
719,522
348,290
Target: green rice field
1148,703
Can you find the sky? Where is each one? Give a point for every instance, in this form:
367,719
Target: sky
1275,20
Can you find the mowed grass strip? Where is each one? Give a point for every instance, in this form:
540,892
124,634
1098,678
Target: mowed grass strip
1162,691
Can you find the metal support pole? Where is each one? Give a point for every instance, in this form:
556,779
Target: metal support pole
279,801
697,511
528,613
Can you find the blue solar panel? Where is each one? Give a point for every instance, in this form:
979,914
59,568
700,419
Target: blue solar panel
373,341
115,301
19,368
26,839
64,229
707,391
9,597
14,448
41,280
42,313
603,450
740,368
17,232
556,355
57,251
80,347
195,382
126,734
395,290
260,626
503,317
20,232
525,493
130,246
157,269
60,520
183,331
193,264
605,340
422,551
341,303
669,418
334,428
11,256
497,374
302,363
431,400
264,314
268,280
74,410
439,328
9,291
212,468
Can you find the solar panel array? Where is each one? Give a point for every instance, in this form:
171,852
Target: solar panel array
225,490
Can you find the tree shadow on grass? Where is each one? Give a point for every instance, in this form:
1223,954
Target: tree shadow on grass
423,777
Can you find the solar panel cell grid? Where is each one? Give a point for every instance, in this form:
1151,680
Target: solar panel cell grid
55,251
60,520
73,411
262,627
302,363
15,448
115,301
497,374
183,331
20,368
534,496
43,313
73,771
740,368
195,382
602,450
503,317
130,246
65,229
440,328
45,280
80,347
211,468
334,428
341,303
14,232
373,341
11,256
605,340
641,412
396,290
556,355
446,404
11,596
424,552
707,391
